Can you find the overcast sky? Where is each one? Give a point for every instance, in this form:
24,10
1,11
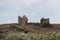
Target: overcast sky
33,9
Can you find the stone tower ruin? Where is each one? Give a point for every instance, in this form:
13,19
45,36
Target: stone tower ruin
22,20
25,20
45,22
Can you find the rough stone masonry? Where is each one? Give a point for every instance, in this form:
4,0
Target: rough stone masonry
42,27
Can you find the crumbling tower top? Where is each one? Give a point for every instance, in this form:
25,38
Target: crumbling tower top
22,20
45,22
25,20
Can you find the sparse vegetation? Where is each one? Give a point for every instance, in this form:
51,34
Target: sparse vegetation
21,31
1,31
33,36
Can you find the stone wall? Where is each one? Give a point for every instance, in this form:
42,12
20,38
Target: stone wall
25,20
22,20
31,27
45,22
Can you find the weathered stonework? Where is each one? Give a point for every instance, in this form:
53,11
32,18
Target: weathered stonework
42,27
25,20
22,20
45,22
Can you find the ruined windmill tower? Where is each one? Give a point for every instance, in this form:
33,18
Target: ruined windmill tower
45,22
22,20
25,20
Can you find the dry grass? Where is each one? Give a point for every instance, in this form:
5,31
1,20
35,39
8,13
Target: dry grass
33,36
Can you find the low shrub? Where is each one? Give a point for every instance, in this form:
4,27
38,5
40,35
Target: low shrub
33,36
